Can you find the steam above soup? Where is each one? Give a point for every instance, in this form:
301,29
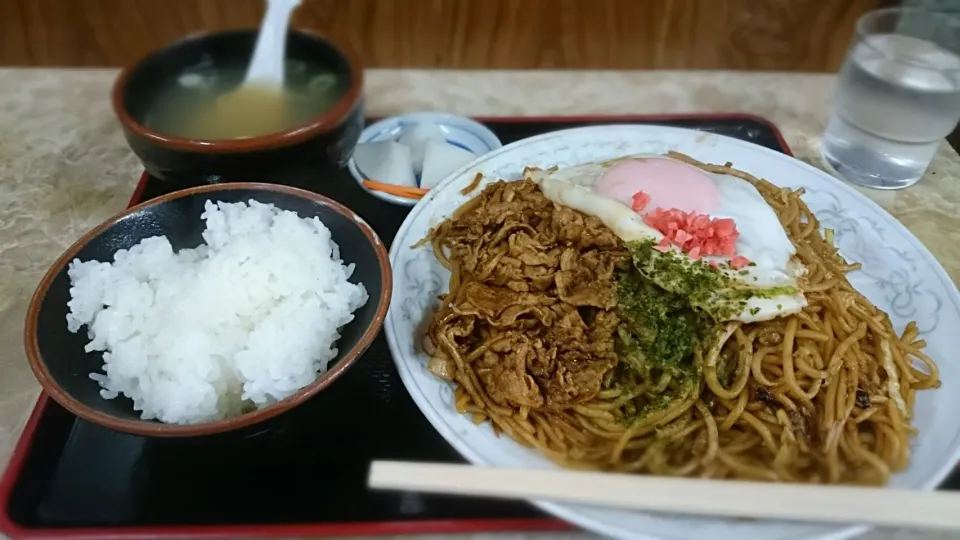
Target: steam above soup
206,102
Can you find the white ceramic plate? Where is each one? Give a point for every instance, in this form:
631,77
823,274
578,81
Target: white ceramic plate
899,275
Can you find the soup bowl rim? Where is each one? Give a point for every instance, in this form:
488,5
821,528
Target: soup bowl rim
316,125
155,428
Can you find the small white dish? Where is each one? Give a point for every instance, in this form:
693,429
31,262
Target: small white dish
458,131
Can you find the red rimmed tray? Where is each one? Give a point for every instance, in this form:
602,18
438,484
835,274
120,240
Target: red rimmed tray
70,479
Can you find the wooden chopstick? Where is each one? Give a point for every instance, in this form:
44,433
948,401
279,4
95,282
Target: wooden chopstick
393,189
799,502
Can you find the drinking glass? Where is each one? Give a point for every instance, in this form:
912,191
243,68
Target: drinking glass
897,97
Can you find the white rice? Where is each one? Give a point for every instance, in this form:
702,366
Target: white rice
242,321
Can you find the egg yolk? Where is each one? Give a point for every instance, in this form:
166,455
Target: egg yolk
669,184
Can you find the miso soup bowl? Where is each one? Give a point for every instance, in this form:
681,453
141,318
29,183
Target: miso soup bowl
298,156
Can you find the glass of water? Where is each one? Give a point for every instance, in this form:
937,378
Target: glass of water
897,97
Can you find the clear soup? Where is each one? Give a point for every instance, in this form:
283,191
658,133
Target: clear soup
209,103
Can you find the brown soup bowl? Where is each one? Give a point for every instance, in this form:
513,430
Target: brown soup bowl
63,367
297,156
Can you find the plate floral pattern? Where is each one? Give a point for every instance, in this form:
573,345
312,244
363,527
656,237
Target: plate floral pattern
898,274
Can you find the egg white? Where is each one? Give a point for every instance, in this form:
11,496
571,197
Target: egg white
762,238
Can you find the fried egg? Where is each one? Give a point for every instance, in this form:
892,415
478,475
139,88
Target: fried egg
769,284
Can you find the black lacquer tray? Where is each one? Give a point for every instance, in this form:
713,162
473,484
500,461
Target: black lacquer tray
306,475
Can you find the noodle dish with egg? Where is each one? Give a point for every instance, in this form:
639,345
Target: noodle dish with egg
655,314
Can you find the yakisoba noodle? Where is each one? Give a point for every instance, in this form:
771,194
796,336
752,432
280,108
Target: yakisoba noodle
821,396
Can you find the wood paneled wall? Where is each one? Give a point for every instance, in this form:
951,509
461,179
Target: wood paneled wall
791,35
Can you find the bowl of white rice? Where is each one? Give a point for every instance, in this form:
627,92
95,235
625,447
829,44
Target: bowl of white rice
208,310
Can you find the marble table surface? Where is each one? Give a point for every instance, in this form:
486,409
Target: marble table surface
64,166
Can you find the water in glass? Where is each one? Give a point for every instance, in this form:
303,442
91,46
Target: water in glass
897,97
